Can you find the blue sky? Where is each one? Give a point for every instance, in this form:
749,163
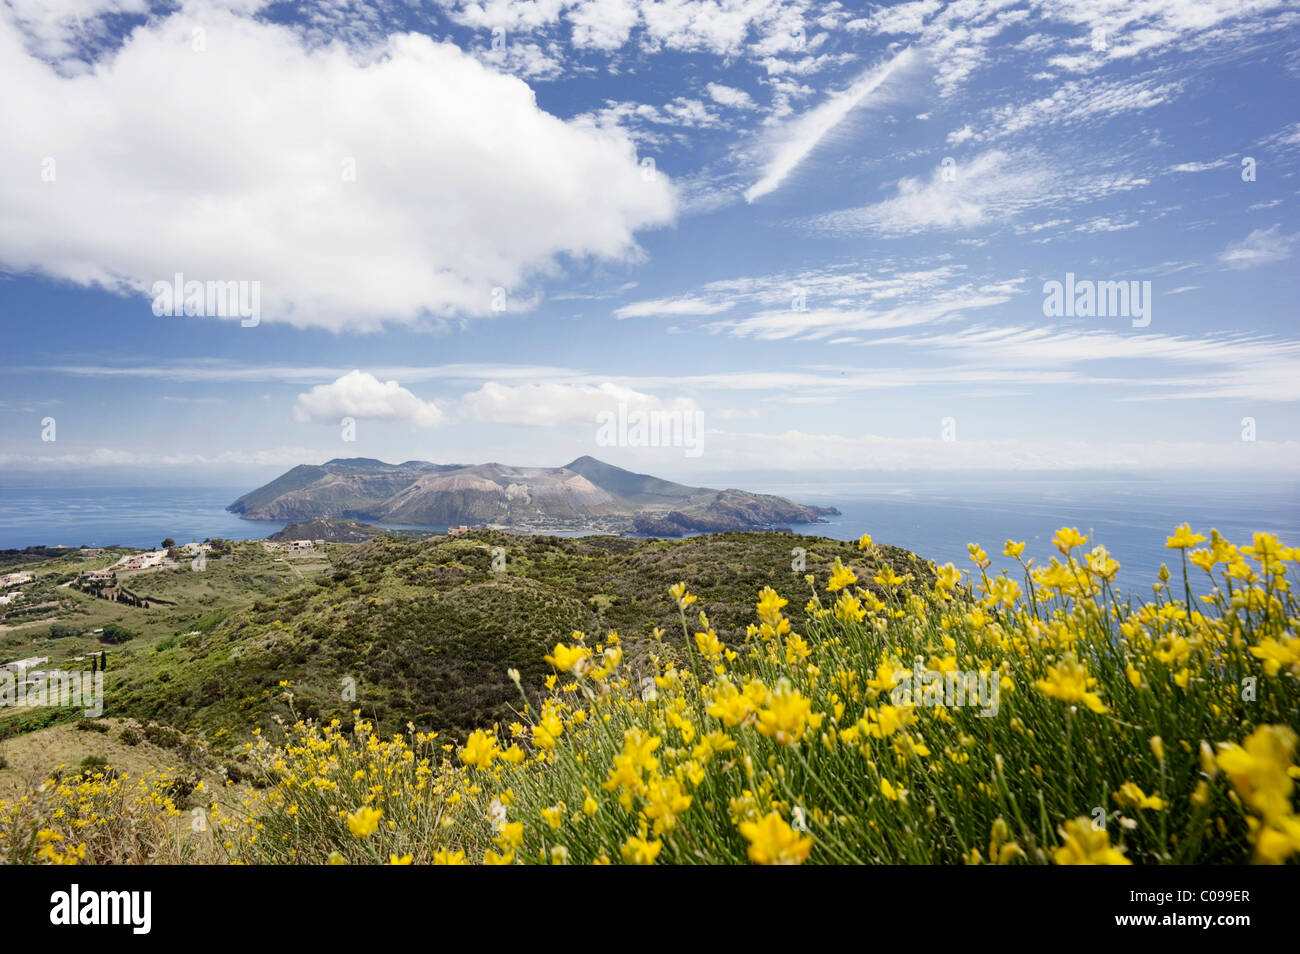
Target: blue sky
473,227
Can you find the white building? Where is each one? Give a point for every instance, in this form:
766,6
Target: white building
21,666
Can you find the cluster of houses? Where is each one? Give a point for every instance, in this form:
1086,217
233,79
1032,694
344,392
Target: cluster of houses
457,531
294,546
150,559
13,579
141,561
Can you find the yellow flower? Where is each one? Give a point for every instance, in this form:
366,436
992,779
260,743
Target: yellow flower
1274,845
890,792
480,749
888,675
1069,681
711,744
1001,590
403,860
773,842
797,650
1277,653
729,704
887,577
364,821
841,576
769,606
548,731
445,857
864,541
709,645
848,608
786,715
883,722
1086,845
639,851
511,834
678,592
666,801
636,757
1130,796
566,658
1067,538
948,576
1259,771
490,857
1184,538
1101,564
1013,549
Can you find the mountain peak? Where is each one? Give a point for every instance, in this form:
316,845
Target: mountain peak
359,462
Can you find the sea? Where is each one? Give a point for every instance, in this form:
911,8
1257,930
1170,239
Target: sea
934,518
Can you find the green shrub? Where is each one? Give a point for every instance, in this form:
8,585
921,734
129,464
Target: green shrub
114,634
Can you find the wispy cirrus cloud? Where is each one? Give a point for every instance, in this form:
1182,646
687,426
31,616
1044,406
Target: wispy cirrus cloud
993,187
1260,247
670,307
1217,366
1078,102
789,144
820,323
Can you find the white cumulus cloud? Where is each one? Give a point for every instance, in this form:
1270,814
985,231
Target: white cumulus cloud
385,183
362,395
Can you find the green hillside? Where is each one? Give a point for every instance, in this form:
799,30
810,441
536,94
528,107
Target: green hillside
425,630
